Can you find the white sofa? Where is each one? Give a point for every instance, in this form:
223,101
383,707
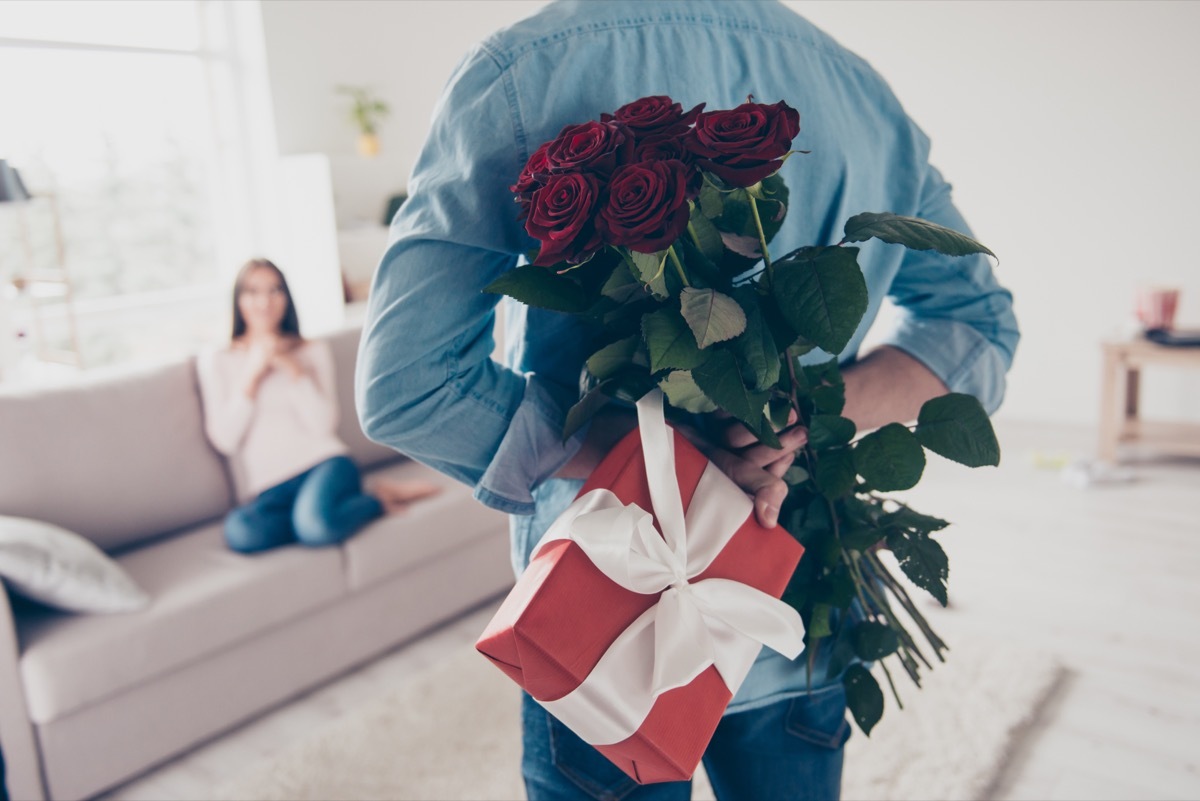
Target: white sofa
88,701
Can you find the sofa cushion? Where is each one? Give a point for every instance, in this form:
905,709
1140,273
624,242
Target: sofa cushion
429,528
116,458
366,453
204,598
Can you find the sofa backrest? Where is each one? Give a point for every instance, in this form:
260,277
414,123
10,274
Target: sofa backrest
116,457
366,453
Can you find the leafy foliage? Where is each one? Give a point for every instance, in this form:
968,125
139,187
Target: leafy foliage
718,327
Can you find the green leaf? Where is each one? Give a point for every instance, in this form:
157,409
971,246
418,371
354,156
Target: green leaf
818,625
830,400
622,287
605,362
795,475
890,458
829,430
957,427
860,538
541,287
650,269
908,518
822,295
922,560
755,345
712,316
682,392
707,237
671,343
863,697
721,379
779,411
835,473
912,232
711,202
874,641
587,407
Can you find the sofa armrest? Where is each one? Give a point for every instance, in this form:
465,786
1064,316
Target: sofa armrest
23,765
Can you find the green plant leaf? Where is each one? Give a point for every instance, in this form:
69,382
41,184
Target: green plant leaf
712,316
755,345
863,697
670,341
541,287
818,625
874,641
829,430
908,518
822,295
682,392
890,458
795,475
607,361
707,237
622,287
912,232
779,410
720,378
922,560
587,407
712,204
957,427
835,474
828,399
650,269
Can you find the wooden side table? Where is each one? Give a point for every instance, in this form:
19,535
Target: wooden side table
1119,420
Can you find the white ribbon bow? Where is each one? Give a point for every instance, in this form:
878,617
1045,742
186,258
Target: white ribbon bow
694,624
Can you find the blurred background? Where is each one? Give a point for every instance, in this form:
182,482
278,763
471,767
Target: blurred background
160,154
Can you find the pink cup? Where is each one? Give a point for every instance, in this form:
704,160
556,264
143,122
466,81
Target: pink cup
1156,307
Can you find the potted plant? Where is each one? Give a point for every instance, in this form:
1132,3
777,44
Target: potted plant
366,113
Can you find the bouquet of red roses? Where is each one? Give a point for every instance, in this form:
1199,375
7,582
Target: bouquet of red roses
654,225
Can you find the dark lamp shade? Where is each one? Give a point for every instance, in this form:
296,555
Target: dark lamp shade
12,190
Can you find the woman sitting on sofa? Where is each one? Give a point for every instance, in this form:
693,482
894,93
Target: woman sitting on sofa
270,406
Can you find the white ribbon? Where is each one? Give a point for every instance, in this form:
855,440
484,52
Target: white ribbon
694,624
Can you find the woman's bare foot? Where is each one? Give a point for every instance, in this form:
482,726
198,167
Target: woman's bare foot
397,496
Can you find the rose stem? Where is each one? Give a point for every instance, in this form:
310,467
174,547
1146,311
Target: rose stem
678,266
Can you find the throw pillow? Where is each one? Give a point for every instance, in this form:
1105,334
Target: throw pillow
62,569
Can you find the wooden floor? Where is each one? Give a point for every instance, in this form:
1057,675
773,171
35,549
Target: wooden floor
1106,577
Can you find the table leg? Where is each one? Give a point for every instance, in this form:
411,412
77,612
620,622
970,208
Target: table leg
1110,415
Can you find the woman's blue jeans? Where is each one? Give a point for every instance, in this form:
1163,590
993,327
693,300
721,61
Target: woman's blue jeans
322,506
787,751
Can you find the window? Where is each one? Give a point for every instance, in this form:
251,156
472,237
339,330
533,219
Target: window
125,122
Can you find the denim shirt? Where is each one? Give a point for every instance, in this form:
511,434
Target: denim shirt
426,384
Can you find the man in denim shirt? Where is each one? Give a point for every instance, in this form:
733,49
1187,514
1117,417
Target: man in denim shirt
427,386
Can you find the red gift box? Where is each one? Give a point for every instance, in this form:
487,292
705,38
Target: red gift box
564,613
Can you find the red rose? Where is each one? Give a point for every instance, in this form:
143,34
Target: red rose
597,147
655,114
533,175
646,207
741,146
561,217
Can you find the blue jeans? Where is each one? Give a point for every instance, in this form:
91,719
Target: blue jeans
790,750
322,506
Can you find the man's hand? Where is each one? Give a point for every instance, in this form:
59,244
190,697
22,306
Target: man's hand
756,468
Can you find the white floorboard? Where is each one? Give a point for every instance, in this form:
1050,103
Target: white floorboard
1104,577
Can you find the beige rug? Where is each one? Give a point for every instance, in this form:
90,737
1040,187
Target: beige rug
452,733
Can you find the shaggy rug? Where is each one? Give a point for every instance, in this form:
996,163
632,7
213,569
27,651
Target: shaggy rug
452,733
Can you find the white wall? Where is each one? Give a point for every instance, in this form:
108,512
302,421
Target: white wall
1066,128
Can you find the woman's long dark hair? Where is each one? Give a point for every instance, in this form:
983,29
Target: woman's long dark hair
290,325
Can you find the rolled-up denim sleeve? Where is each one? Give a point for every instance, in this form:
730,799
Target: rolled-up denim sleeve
426,384
954,316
